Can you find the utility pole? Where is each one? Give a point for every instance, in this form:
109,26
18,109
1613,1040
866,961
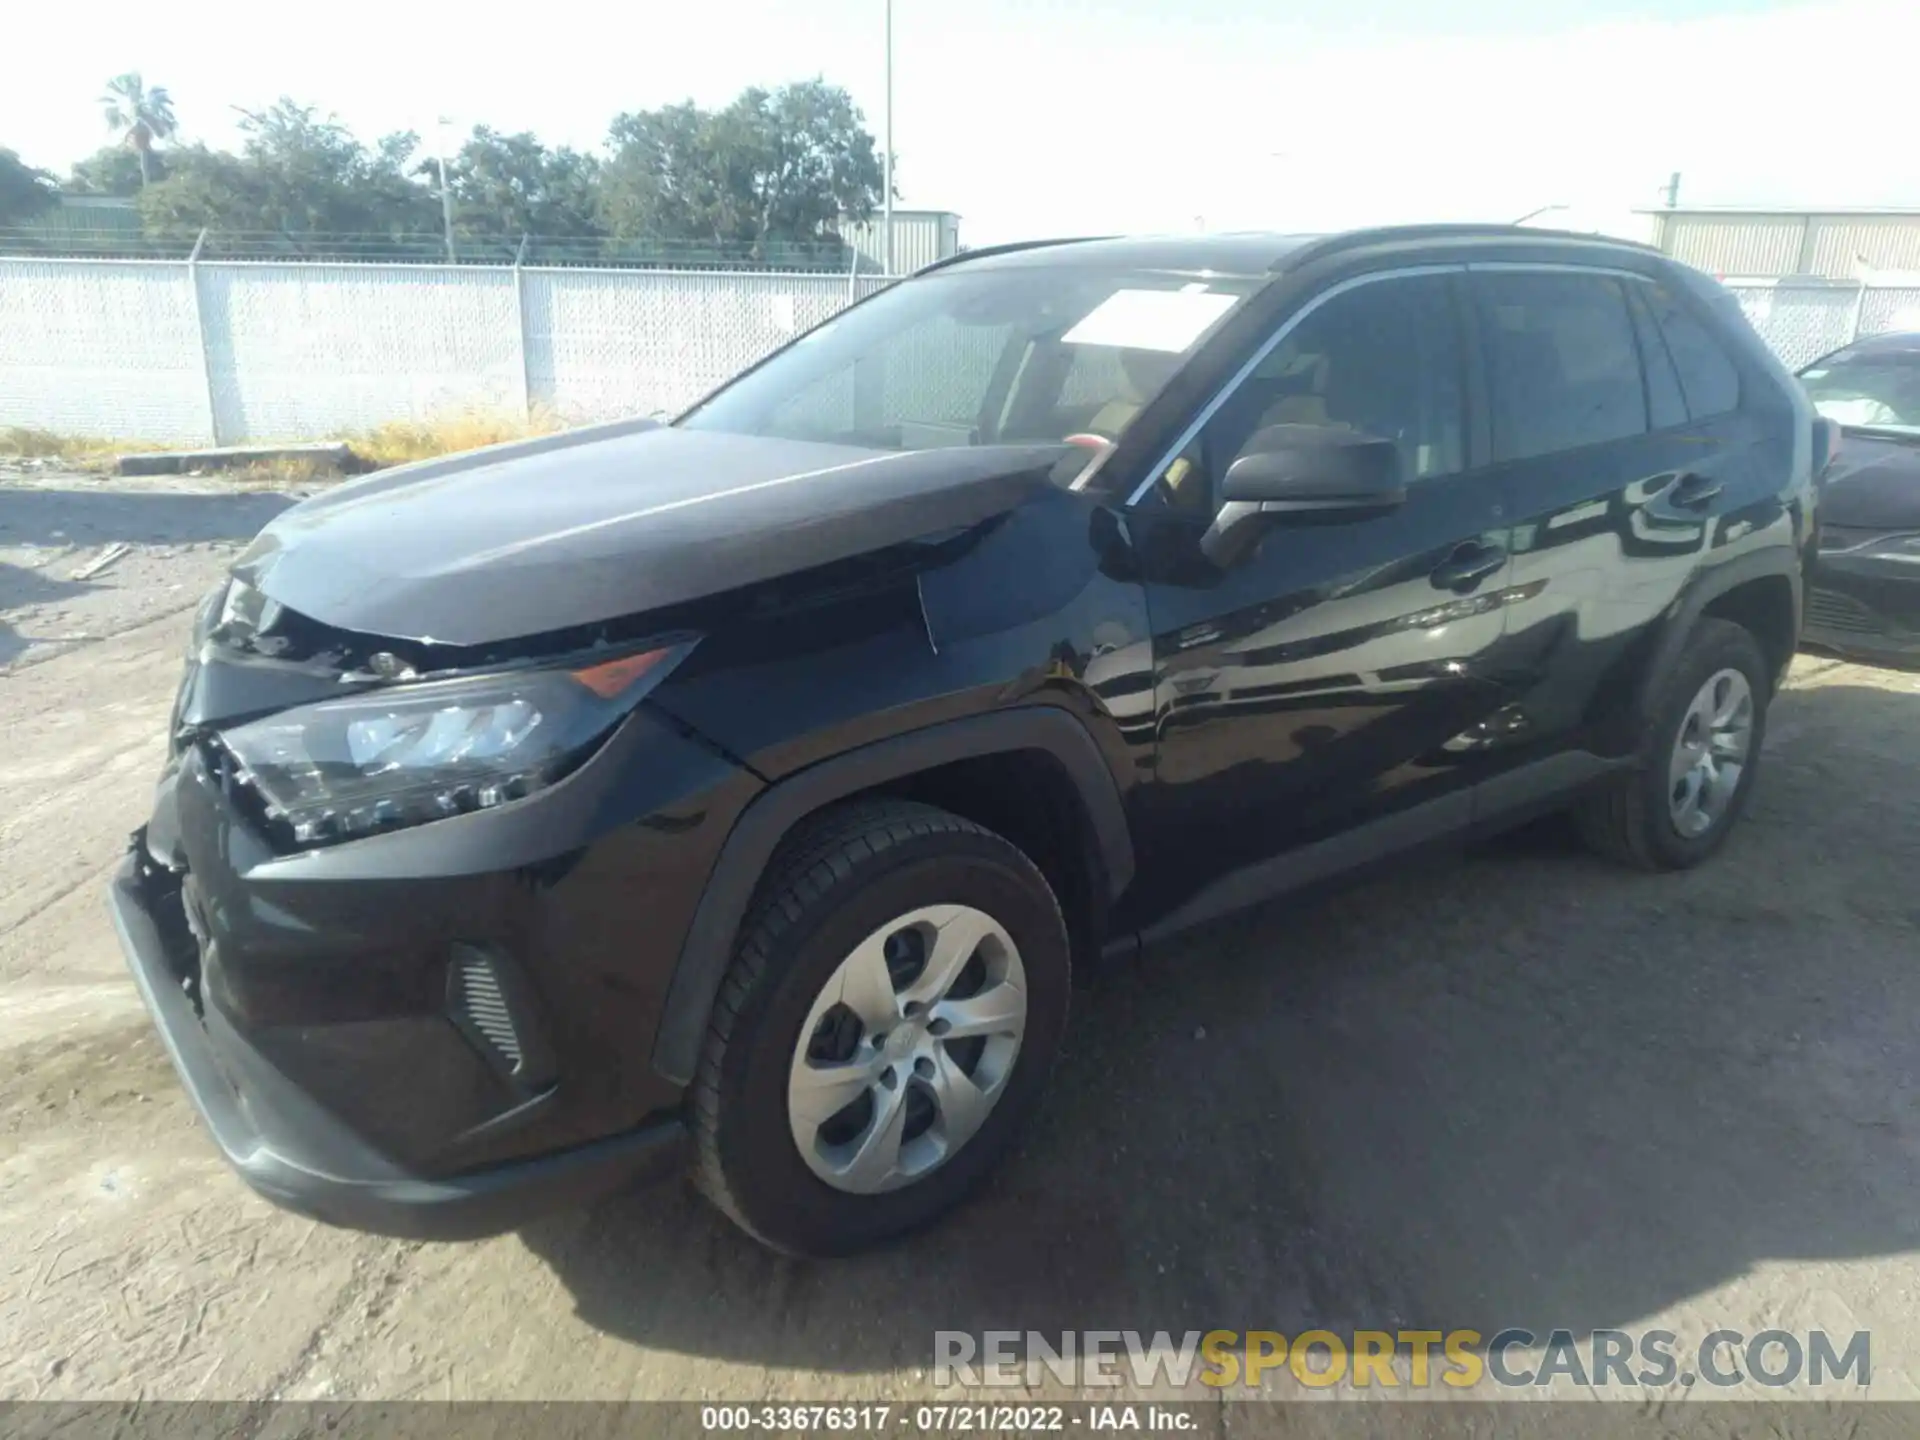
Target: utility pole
886,223
1673,191
446,195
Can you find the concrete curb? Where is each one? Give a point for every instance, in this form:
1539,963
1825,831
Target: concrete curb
175,462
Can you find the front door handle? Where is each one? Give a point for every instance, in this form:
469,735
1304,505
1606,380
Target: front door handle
1690,492
1469,564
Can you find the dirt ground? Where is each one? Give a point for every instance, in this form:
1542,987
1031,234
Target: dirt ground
1513,1088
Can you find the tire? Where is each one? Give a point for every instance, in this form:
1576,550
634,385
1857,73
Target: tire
1632,818
840,880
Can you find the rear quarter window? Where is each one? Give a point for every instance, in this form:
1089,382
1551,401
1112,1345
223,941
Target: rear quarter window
1708,377
1666,404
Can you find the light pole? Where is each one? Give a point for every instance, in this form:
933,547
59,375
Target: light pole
446,195
886,160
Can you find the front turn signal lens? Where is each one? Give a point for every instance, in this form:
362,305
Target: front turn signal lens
616,677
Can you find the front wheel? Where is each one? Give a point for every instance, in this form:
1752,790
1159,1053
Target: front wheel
1698,760
887,1023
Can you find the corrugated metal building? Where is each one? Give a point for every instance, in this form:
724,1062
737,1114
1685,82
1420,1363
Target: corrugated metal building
1746,244
920,237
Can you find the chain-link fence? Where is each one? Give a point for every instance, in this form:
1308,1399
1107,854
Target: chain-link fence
228,353
107,229
1803,321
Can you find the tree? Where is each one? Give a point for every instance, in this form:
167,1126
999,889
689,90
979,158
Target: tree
114,170
24,191
773,167
139,116
299,174
780,165
823,162
660,179
512,185
206,189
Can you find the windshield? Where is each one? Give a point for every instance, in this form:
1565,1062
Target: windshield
1877,389
981,357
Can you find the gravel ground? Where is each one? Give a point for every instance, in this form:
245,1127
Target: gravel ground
1513,1088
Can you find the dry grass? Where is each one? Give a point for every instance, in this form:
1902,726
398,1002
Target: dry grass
395,443
399,441
291,470
83,452
32,444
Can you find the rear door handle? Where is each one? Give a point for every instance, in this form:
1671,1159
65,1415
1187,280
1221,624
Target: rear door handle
1690,492
1469,564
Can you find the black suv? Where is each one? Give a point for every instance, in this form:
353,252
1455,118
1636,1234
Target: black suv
741,790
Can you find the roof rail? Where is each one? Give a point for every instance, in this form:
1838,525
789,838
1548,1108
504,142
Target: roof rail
1011,247
1387,234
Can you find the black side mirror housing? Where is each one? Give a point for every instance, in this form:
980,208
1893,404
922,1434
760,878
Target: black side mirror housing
1310,473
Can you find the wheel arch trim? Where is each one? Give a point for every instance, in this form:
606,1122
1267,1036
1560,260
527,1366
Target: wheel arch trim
1774,563
708,946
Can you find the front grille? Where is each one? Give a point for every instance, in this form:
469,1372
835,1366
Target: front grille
174,904
1830,610
188,961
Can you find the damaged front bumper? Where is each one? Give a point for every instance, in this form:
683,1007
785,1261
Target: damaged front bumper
292,1150
443,1027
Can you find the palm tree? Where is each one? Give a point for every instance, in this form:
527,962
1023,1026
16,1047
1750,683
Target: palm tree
139,116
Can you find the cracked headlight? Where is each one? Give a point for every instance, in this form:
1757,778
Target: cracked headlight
406,754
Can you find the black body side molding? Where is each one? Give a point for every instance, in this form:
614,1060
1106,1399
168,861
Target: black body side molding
708,947
1494,805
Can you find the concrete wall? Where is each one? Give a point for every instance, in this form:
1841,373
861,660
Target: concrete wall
238,352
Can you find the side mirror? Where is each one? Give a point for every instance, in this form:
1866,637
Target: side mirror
1304,473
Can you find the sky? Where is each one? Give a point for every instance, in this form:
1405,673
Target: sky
1049,117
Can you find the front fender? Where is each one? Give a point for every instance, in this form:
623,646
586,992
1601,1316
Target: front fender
710,940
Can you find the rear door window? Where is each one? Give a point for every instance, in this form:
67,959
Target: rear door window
1562,362
1708,377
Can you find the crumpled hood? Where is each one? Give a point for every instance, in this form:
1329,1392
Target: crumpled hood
610,521
1873,483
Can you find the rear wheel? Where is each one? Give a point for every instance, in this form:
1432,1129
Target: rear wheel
1698,759
887,1023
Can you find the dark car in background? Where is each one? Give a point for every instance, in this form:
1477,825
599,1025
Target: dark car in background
1864,592
739,793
